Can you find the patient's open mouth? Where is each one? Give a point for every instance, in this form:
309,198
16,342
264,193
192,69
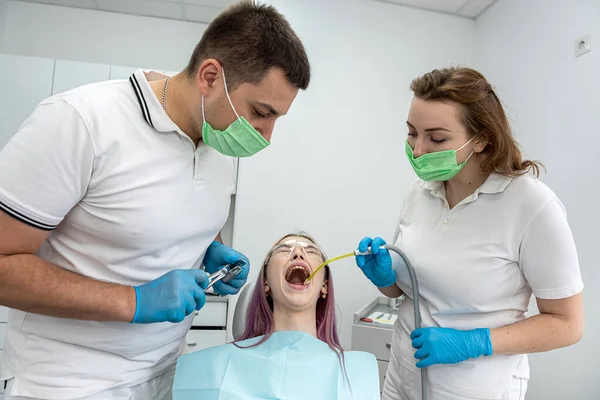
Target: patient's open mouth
297,274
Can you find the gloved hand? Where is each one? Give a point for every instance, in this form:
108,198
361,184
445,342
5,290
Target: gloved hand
449,346
377,266
171,297
219,255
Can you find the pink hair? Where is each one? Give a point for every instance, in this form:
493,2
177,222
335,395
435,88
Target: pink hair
259,317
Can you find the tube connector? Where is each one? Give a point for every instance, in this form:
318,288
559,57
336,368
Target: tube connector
366,253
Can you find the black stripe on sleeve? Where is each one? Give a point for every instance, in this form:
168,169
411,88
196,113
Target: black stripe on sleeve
25,219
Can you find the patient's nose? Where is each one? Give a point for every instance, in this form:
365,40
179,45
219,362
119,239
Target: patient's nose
298,253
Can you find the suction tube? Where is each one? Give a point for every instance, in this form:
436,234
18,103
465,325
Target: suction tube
416,309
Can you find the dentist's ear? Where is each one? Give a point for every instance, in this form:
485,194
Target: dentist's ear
207,75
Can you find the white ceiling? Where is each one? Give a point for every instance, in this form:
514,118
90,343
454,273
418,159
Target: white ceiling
186,10
206,10
460,8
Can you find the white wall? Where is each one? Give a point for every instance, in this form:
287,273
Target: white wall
336,166
3,11
97,36
334,160
526,48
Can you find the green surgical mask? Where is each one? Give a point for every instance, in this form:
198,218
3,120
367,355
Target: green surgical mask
437,166
240,139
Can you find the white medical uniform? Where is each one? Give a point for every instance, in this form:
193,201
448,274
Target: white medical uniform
127,197
477,266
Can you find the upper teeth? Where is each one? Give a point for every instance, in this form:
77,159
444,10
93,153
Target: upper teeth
295,267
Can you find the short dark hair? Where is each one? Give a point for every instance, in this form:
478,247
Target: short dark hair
249,39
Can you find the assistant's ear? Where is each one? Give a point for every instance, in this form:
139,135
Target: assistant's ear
479,144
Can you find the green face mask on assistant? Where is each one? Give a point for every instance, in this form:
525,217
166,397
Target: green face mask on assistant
239,139
437,166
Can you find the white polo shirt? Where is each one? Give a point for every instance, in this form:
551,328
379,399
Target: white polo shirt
478,265
128,197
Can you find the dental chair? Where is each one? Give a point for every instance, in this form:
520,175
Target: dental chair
241,309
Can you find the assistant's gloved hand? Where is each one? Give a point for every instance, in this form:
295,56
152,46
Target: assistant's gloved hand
377,266
170,298
217,256
449,346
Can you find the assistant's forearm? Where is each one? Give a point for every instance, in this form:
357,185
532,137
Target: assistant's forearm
31,284
392,291
536,334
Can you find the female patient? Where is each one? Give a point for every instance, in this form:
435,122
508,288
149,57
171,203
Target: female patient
290,347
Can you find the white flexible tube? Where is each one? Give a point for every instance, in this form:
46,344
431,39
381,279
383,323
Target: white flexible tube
415,292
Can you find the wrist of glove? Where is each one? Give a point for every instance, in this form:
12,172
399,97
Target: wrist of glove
377,266
450,346
171,297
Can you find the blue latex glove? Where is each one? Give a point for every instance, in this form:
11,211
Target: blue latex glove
449,346
377,266
217,256
170,298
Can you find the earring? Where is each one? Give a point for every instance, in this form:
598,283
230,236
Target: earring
324,295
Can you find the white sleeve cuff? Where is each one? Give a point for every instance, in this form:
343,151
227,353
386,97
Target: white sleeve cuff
32,218
560,293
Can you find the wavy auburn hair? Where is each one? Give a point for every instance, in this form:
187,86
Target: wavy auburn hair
482,115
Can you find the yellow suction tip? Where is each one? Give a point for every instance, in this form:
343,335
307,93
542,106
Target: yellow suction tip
307,281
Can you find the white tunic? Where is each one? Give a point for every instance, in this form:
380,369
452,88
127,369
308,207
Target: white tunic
477,266
127,197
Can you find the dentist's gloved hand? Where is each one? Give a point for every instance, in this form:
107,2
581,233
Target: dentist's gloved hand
377,266
170,298
449,346
217,256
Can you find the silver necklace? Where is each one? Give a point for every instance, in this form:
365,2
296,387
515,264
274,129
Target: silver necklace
164,98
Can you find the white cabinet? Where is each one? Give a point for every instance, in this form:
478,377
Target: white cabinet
213,314
3,314
1,382
25,81
202,339
71,74
3,320
2,334
373,337
209,325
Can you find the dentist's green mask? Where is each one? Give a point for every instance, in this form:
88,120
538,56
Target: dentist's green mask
437,166
240,139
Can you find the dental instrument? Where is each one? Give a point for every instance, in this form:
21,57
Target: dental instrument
225,274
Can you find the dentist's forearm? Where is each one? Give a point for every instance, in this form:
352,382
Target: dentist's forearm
31,284
392,291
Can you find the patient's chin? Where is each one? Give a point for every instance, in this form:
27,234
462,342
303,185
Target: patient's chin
298,299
